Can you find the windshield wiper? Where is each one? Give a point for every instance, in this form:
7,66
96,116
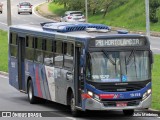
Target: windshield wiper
130,57
108,57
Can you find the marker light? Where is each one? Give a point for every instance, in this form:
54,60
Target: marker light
96,97
92,95
146,94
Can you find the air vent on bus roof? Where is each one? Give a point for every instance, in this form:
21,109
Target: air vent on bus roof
69,27
122,31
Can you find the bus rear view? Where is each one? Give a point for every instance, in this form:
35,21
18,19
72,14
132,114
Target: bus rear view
82,65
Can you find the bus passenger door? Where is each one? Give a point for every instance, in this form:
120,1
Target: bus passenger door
78,83
21,64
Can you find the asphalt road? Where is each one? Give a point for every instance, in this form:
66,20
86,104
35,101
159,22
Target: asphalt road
155,44
13,100
24,18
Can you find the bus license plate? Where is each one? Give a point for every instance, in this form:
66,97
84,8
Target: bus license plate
121,104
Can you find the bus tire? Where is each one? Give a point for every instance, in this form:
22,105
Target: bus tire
31,97
128,112
74,111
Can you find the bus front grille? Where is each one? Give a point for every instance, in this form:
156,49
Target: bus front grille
120,87
114,103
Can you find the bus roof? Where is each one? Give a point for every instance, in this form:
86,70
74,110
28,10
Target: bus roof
37,28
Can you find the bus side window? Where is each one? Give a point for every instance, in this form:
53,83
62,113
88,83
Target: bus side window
38,50
48,52
58,56
29,51
13,44
68,55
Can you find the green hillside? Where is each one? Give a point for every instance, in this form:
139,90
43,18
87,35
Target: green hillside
131,15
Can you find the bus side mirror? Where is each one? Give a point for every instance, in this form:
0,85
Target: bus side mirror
151,57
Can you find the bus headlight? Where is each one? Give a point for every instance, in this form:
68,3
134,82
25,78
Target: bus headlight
149,91
90,93
94,96
146,94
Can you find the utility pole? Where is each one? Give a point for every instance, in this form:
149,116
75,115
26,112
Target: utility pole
9,20
86,9
147,18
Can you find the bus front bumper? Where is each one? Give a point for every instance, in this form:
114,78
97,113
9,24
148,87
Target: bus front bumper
91,104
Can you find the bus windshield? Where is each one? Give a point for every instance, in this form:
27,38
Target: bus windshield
126,66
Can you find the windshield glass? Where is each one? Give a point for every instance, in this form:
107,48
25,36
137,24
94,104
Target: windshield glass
25,4
76,13
118,66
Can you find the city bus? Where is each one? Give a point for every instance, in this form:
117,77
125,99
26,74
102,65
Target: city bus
82,65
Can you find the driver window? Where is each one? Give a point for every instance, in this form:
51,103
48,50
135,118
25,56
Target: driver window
88,69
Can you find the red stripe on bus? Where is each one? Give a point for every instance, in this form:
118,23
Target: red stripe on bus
106,96
85,96
38,84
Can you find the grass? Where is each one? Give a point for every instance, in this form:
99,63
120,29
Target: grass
56,9
37,8
156,83
3,51
155,70
130,16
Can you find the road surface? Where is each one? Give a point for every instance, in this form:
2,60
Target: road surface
155,44
24,18
13,100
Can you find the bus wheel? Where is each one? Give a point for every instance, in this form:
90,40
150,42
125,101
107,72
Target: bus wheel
31,97
128,112
74,111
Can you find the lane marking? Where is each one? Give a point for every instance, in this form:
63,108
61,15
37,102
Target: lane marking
155,48
34,9
3,23
72,118
4,76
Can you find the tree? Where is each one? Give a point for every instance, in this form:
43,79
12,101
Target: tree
94,6
154,5
61,2
111,4
107,4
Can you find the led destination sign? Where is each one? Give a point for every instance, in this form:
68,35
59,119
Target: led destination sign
117,42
